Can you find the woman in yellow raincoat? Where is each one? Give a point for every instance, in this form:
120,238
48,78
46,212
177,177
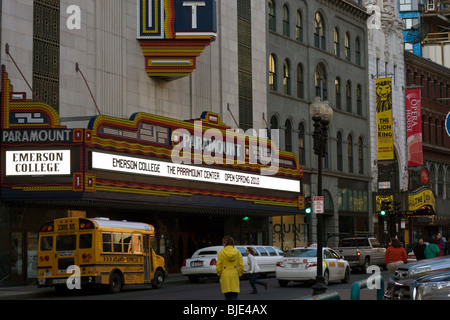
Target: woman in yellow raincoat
229,268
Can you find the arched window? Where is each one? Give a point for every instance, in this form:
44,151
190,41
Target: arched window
286,22
288,136
359,106
272,17
300,82
350,153
347,47
348,96
272,73
320,81
286,77
357,51
299,27
274,123
319,31
337,88
360,156
340,158
301,143
337,45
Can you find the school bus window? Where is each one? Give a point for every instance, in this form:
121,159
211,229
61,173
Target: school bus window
117,242
137,243
67,242
145,244
126,242
85,241
107,242
47,243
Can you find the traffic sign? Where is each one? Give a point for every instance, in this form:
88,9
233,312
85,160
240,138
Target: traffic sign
447,124
318,204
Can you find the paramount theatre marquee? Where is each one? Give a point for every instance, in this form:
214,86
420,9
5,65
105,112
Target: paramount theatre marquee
146,159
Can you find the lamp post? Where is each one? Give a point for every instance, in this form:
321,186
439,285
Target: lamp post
321,114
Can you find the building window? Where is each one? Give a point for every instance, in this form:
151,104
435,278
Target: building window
360,156
288,136
301,143
359,106
286,77
274,123
272,73
320,81
357,51
286,21
337,86
348,95
272,19
337,45
340,158
350,153
299,27
319,31
300,82
347,47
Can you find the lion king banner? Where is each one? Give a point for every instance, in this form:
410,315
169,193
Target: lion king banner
385,136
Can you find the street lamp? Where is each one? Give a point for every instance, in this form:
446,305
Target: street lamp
321,114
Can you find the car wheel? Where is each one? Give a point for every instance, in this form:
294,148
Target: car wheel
283,283
346,276
326,277
365,265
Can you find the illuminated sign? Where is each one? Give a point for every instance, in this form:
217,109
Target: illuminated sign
173,33
37,135
37,162
125,164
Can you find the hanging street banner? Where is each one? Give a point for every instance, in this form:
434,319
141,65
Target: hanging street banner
447,124
385,137
414,127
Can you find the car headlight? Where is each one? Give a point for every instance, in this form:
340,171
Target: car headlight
425,288
419,270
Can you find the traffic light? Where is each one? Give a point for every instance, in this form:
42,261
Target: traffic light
385,207
397,207
308,208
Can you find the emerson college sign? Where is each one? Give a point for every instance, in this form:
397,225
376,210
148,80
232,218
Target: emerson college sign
173,33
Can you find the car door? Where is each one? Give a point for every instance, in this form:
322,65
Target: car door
262,259
332,264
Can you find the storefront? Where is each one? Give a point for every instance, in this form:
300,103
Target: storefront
194,180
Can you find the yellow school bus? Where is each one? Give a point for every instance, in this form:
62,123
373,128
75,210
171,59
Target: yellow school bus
79,253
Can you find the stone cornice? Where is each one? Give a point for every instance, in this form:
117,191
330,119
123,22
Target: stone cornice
348,7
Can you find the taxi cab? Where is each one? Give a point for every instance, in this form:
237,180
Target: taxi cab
300,264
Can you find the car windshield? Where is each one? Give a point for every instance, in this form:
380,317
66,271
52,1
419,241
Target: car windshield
306,253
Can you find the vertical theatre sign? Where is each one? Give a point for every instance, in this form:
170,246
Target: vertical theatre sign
173,33
385,136
414,127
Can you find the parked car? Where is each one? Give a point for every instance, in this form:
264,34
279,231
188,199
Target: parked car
416,268
361,252
415,287
441,294
203,262
300,264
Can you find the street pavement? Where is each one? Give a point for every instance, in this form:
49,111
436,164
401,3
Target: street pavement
33,292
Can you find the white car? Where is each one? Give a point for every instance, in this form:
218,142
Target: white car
300,264
203,262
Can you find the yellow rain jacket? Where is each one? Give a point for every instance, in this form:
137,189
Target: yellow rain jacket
229,267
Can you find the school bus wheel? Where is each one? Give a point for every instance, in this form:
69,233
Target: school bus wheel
115,282
158,279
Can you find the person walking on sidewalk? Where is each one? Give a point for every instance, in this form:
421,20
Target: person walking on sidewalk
395,256
229,267
254,271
